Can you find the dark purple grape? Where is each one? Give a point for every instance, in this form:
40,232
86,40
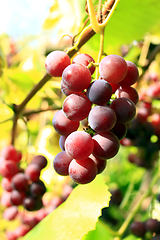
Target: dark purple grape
99,92
40,160
138,229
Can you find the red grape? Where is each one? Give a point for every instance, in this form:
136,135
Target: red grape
82,171
101,118
113,68
84,59
8,168
131,76
20,182
128,92
124,108
63,125
61,163
76,77
40,160
106,145
33,172
56,62
100,163
79,145
76,107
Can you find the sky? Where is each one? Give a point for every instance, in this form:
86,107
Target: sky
18,17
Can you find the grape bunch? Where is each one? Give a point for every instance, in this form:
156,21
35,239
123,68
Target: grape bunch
149,229
22,186
90,103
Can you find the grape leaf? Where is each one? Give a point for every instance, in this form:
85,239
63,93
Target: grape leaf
76,216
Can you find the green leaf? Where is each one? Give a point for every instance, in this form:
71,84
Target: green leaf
100,233
131,237
131,21
76,216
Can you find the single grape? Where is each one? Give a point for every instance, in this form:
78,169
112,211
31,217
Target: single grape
99,92
76,107
10,153
20,182
17,197
61,163
113,68
82,171
33,172
106,145
6,199
79,145
76,77
152,225
6,184
128,92
10,213
63,125
21,230
32,204
37,189
8,168
100,163
84,59
120,130
131,76
11,235
56,62
124,108
116,197
138,229
40,160
102,118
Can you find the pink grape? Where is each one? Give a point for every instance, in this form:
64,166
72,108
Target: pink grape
79,145
56,62
113,68
8,168
106,145
82,171
63,125
76,77
76,107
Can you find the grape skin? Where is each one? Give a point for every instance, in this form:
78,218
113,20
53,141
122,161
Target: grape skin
124,108
56,62
99,92
79,145
84,59
102,118
106,145
61,163
63,125
82,171
113,68
100,163
76,107
76,77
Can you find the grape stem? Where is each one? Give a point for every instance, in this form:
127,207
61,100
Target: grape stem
99,27
137,205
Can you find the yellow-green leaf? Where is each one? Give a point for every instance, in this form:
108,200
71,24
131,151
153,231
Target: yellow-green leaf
75,217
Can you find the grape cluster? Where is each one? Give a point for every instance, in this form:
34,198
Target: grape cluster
149,229
28,219
22,186
84,153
